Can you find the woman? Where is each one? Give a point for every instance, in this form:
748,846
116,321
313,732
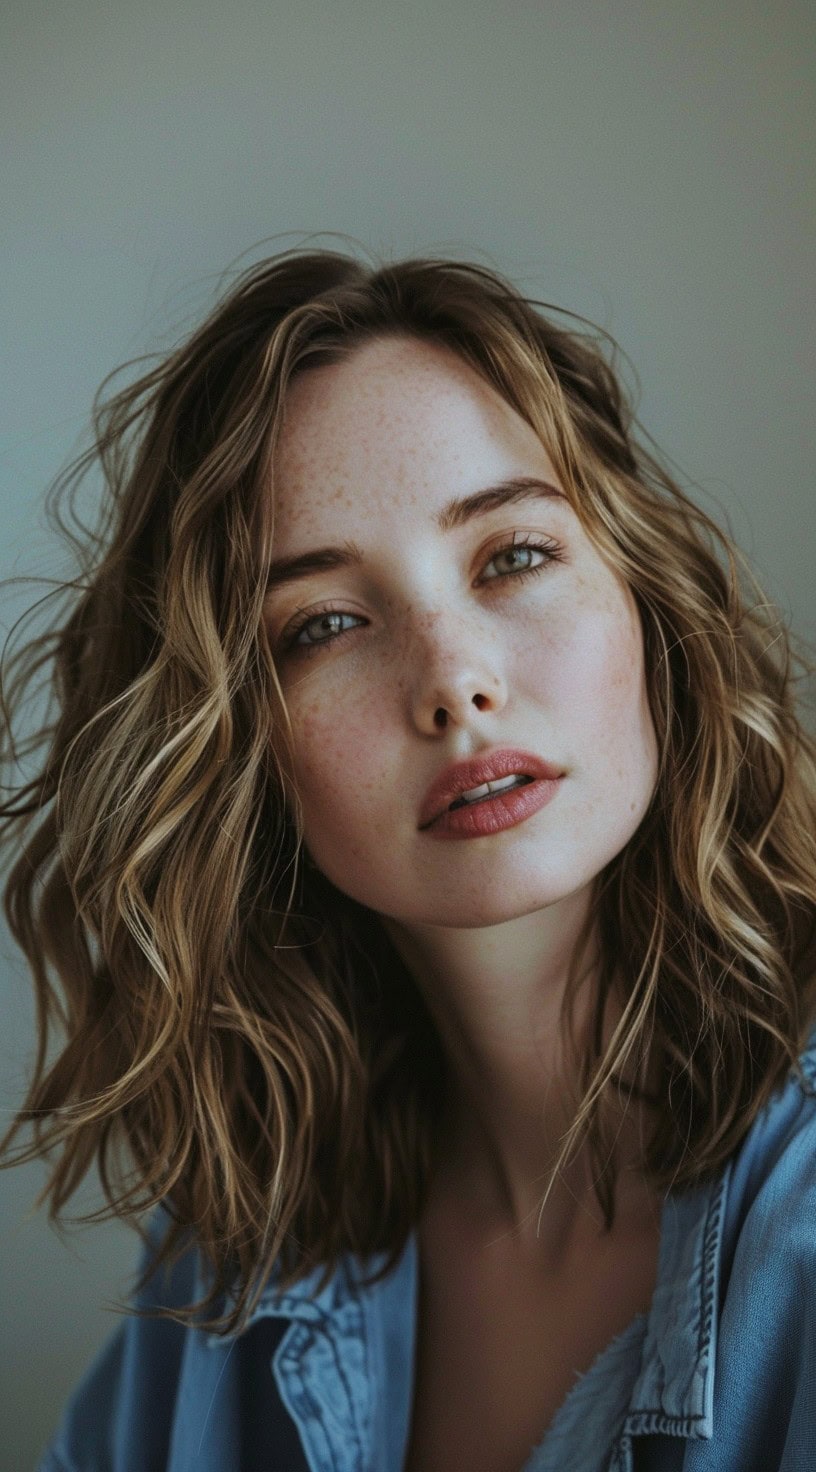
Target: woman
426,843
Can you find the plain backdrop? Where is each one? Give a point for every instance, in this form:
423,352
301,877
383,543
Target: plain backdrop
648,164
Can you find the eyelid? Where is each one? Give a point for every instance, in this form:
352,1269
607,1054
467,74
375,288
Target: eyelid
299,620
538,541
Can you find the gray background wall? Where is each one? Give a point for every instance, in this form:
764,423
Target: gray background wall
648,163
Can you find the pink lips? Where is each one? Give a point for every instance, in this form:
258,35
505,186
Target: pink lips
463,776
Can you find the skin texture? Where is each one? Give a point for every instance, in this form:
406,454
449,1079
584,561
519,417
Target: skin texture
449,651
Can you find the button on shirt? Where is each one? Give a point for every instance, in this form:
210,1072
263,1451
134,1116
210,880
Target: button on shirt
720,1376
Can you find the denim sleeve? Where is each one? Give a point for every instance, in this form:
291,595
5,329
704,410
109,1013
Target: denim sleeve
765,1378
120,1417
162,1396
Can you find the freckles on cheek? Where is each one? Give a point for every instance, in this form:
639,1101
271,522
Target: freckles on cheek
335,748
622,692
318,744
620,645
602,677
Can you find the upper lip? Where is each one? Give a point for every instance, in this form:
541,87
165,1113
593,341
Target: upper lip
489,767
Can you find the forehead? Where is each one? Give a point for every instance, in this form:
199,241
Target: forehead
403,416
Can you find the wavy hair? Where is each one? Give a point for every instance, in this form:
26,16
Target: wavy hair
239,1039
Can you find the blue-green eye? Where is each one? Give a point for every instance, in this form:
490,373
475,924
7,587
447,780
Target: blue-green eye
330,617
327,620
516,549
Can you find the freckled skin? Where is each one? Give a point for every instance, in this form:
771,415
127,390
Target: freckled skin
552,664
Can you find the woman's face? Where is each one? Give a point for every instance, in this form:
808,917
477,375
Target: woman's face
438,648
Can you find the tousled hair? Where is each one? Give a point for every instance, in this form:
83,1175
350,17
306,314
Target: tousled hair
241,1041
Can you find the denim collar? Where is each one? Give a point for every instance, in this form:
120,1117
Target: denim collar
302,1301
674,1391
358,1336
349,1349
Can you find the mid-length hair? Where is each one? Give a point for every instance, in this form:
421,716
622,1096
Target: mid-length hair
241,1041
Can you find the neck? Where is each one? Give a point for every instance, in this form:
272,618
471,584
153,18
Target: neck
496,998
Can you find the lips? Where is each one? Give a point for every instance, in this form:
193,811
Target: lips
463,776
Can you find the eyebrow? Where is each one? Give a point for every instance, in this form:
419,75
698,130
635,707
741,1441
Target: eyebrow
454,514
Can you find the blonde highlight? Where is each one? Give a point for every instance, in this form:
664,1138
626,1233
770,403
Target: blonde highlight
242,1043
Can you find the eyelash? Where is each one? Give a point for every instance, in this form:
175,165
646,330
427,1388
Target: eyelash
554,551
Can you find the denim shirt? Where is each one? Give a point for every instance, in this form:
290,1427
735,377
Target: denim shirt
719,1376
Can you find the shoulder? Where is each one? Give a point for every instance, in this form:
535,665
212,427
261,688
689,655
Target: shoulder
771,1200
730,1359
163,1394
764,1337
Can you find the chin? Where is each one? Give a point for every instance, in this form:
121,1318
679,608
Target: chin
466,910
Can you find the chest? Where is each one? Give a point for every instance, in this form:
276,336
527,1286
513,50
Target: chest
499,1348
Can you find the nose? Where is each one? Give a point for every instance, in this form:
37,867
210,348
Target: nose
454,672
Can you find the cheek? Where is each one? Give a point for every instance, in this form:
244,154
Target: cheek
597,678
336,744
624,716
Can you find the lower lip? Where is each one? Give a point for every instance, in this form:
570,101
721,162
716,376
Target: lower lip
504,810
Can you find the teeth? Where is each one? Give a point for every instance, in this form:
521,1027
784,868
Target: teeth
475,794
508,781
